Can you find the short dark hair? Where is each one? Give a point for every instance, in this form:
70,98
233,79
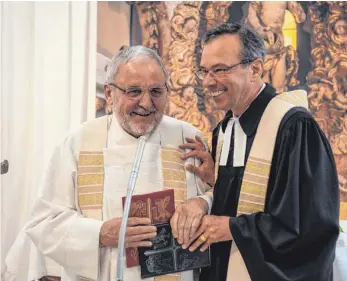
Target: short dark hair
253,46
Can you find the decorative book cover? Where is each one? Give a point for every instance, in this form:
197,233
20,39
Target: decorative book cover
167,256
157,206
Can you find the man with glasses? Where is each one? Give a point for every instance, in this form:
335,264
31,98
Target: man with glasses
77,217
276,200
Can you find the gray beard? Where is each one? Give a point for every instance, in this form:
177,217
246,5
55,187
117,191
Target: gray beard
137,131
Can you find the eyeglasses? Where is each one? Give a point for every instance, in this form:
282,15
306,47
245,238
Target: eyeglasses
202,73
137,93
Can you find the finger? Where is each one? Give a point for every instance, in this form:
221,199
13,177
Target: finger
199,139
186,229
138,244
193,169
190,154
192,146
173,223
200,154
198,232
205,246
133,230
180,225
195,224
136,221
140,237
198,242
190,140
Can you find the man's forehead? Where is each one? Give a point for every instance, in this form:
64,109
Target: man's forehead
140,64
224,49
140,70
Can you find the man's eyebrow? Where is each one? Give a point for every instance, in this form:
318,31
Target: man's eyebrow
154,86
215,66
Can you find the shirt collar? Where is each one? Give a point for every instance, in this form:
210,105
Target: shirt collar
250,119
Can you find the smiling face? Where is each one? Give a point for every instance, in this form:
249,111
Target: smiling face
229,89
142,116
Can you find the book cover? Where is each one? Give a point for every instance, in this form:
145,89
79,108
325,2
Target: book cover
157,206
167,256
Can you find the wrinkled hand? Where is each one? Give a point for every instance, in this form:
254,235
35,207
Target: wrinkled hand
138,230
214,229
187,219
194,144
206,170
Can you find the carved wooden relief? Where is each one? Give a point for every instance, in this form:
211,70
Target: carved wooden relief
281,62
328,81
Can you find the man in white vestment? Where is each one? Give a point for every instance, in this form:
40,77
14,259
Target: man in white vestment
76,220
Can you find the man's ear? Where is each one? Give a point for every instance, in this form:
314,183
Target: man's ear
257,68
107,92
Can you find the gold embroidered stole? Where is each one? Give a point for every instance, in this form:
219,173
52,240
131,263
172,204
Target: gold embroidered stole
90,174
90,183
174,176
90,179
257,170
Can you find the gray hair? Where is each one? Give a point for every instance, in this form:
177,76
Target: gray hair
253,46
129,53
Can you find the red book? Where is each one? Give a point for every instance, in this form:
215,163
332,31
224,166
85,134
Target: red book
157,206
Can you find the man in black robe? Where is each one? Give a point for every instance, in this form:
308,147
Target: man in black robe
294,238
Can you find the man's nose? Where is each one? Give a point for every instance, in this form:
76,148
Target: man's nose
146,100
208,81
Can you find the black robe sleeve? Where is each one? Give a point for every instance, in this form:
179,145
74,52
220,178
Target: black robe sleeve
294,238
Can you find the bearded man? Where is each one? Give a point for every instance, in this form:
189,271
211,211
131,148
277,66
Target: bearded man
77,218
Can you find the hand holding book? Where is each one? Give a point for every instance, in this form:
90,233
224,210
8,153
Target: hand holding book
156,207
166,254
137,234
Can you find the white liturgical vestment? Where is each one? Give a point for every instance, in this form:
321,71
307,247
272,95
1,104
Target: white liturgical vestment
68,234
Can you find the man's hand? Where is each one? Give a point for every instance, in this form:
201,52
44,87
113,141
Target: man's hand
206,170
138,230
187,219
213,229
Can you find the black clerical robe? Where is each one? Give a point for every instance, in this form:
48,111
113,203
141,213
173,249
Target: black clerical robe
294,238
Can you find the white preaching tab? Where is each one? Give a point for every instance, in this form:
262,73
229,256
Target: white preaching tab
240,141
226,142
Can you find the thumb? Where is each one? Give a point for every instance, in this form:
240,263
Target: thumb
193,169
198,138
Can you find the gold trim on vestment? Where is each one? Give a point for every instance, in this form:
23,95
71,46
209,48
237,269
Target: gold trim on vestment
90,179
90,170
90,199
174,176
90,182
175,184
343,210
90,159
171,155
